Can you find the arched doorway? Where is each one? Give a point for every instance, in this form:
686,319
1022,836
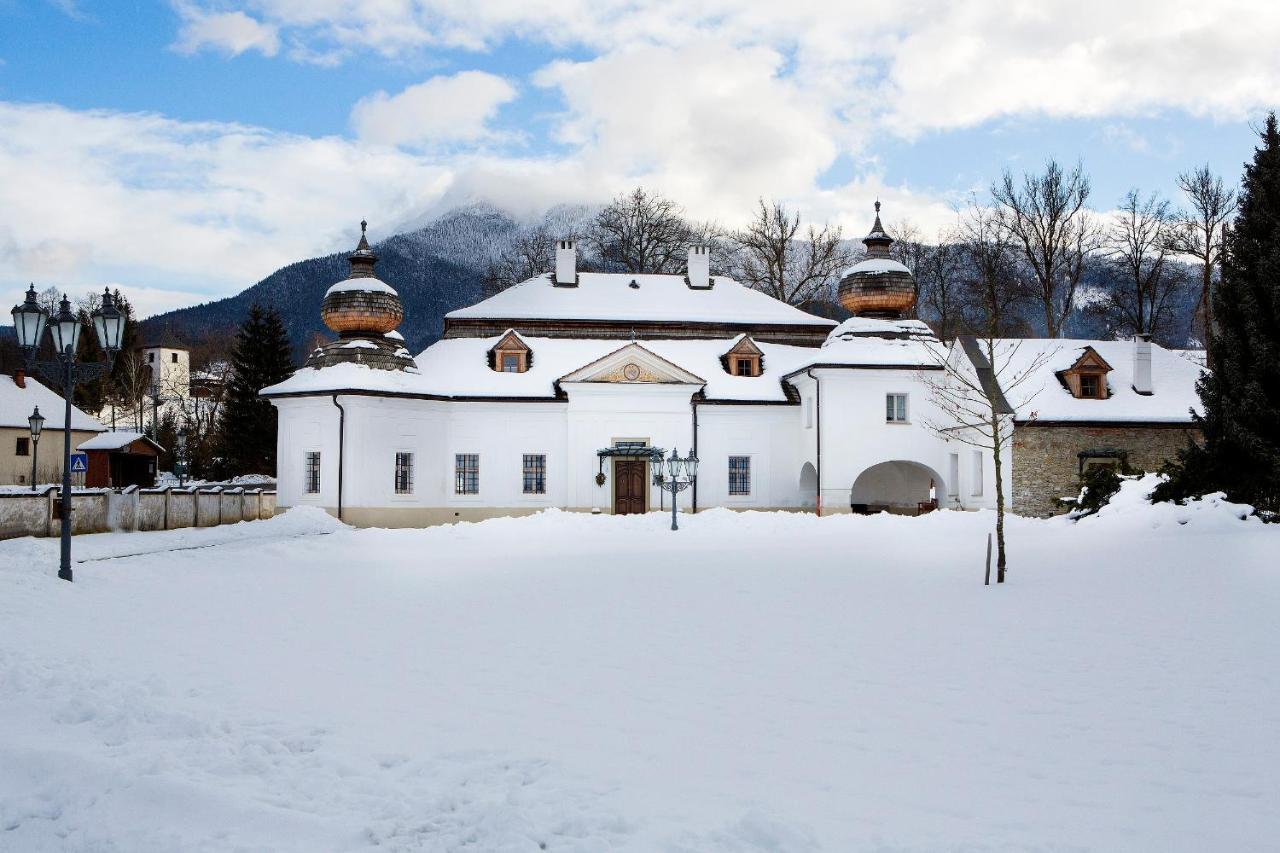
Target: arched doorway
808,486
898,486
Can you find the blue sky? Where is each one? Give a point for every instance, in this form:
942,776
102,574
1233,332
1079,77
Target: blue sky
233,137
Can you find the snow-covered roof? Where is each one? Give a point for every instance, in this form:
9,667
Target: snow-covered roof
114,440
366,284
459,367
1198,357
870,341
655,298
876,266
17,403
1173,382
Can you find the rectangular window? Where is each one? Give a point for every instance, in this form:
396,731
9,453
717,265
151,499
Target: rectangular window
744,367
466,474
739,475
510,362
404,473
23,448
311,475
895,408
535,474
953,488
1089,386
173,357
977,473
151,358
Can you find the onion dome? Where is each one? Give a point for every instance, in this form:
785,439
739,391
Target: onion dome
362,305
364,312
878,286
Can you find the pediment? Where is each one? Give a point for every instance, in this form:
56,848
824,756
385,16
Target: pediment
745,346
1089,360
633,364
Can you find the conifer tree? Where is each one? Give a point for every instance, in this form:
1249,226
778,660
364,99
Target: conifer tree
1241,395
260,357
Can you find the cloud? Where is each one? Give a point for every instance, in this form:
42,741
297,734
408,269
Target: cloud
908,67
231,33
440,110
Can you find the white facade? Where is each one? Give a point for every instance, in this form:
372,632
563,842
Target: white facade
667,405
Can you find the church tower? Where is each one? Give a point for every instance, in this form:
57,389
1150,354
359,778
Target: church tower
364,311
878,286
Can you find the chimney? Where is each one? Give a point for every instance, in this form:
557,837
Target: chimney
20,378
1142,364
566,264
699,274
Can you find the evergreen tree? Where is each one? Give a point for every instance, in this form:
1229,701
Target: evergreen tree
260,357
1241,395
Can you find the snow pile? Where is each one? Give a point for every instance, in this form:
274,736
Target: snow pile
1131,507
567,682
362,284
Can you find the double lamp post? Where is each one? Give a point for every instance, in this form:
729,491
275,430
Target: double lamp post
680,474
65,371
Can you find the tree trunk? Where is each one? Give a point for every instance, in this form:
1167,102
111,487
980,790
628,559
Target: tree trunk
996,446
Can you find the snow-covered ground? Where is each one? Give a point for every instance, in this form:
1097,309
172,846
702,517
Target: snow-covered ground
755,682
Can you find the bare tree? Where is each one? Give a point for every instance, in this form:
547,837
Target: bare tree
772,256
936,268
1139,244
972,395
991,282
640,232
1199,232
1047,217
529,255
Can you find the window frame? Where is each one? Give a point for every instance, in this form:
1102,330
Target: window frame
466,480
402,482
515,362
742,473
1095,378
22,447
977,474
537,471
891,409
311,471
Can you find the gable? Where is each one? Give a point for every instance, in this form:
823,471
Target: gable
1089,360
636,365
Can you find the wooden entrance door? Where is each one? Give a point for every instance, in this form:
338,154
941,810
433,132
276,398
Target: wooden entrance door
628,486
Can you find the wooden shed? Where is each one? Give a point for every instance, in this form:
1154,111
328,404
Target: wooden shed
121,459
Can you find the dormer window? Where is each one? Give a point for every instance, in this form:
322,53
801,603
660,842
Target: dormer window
1087,378
510,355
744,359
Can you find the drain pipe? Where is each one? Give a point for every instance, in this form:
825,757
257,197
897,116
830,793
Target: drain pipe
342,426
817,386
693,403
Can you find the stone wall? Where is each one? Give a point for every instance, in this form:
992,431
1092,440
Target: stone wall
1046,464
100,510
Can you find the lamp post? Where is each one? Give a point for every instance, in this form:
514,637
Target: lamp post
29,322
36,423
181,461
680,474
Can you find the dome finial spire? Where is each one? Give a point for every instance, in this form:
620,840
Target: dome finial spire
362,259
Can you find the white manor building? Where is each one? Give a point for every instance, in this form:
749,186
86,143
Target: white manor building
567,389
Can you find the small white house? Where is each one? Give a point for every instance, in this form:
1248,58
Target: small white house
569,389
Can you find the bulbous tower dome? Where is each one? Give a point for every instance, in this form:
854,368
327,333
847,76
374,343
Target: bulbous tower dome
361,304
878,286
364,312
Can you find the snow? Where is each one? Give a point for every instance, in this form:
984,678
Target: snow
661,298
1173,381
16,405
394,335
876,266
358,344
750,683
366,284
459,367
111,440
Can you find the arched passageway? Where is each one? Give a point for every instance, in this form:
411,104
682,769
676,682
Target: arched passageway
808,486
898,486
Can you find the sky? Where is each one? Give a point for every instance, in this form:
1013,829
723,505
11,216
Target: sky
185,149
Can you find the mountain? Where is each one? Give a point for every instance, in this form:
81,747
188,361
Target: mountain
435,269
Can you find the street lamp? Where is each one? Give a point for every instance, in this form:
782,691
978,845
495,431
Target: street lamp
36,422
679,476
29,322
181,462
